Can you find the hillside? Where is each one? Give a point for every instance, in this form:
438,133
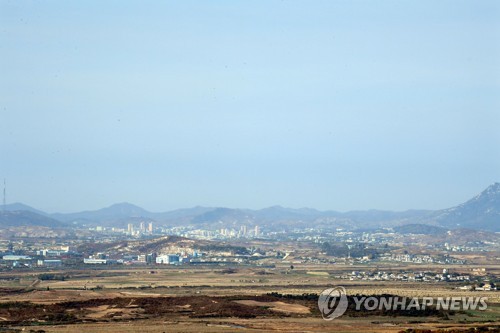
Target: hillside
481,212
17,206
420,229
26,218
156,245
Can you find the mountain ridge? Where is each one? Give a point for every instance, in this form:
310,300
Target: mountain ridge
481,212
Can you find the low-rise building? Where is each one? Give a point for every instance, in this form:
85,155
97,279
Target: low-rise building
50,263
168,259
94,261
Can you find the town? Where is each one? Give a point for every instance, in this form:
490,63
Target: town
143,244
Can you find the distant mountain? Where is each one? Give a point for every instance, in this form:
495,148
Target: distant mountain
26,218
20,206
224,215
119,215
184,214
282,213
275,216
105,216
481,212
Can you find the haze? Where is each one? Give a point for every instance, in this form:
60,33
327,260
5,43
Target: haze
328,104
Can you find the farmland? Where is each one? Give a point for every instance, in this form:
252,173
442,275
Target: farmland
215,299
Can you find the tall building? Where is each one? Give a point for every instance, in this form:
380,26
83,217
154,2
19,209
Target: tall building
150,227
257,231
130,228
142,226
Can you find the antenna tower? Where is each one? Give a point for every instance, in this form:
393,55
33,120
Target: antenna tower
4,199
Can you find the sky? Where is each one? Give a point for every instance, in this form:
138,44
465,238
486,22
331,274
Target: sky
340,105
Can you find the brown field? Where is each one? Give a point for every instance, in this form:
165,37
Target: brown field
211,299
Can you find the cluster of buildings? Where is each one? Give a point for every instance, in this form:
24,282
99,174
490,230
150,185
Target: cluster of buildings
135,230
219,234
461,248
151,258
144,228
49,257
407,276
422,259
243,232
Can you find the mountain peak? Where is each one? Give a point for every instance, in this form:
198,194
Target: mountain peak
480,212
124,208
493,188
490,192
124,205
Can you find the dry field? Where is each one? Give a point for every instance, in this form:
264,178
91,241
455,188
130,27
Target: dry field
211,299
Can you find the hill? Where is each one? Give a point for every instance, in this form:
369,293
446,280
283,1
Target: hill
26,218
157,245
420,229
17,206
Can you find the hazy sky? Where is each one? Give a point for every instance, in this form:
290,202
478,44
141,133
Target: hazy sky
327,104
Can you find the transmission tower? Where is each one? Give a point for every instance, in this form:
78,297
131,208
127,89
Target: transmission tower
4,196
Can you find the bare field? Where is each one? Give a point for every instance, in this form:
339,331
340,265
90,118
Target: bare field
213,299
260,325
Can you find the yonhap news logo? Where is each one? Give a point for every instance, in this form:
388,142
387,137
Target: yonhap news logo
334,302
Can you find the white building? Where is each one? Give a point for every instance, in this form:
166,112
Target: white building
167,259
49,263
12,257
95,261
